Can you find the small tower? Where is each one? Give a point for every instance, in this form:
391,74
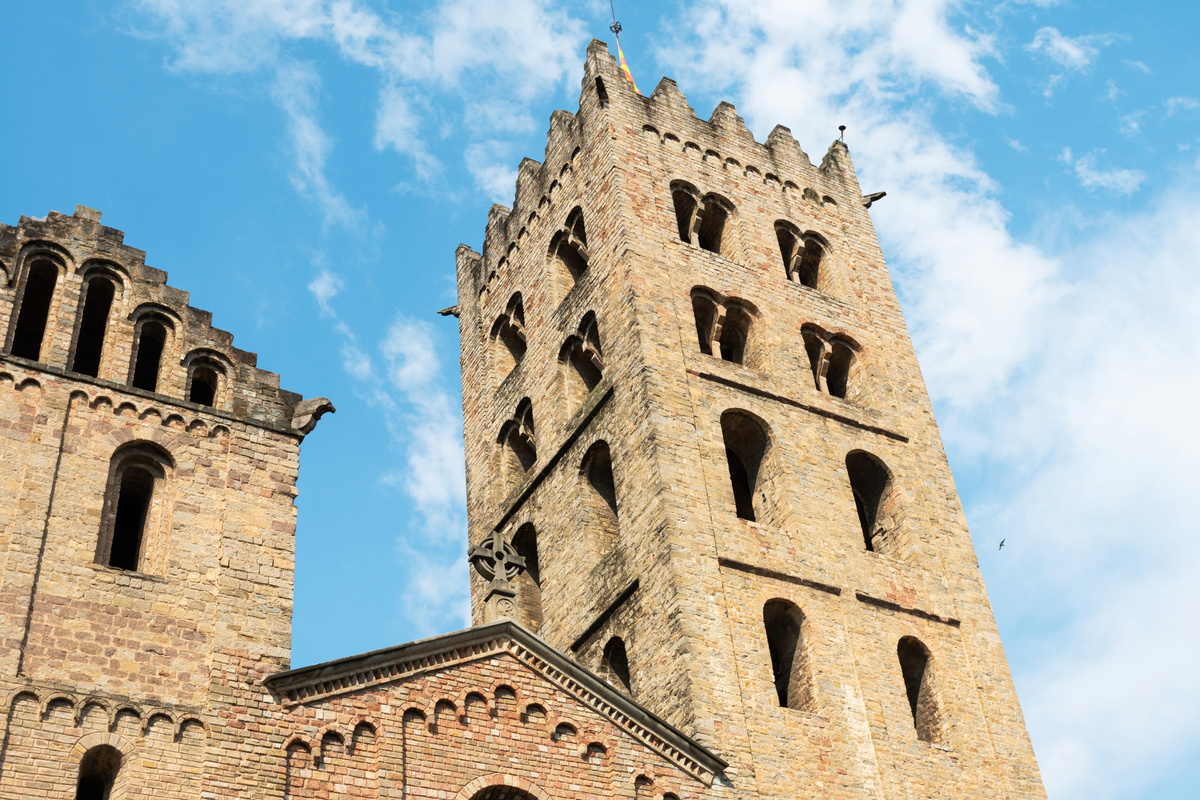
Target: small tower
692,408
147,479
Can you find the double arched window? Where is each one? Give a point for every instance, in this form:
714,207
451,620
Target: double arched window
836,368
724,327
582,361
705,221
517,443
569,252
508,337
803,256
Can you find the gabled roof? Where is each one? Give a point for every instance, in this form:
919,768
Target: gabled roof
392,664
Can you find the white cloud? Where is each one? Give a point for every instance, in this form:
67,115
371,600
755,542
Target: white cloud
492,168
324,288
294,89
482,51
1139,66
1016,145
1044,366
1121,181
1075,53
1177,104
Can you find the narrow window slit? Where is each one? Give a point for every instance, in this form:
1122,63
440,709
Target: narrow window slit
93,324
35,311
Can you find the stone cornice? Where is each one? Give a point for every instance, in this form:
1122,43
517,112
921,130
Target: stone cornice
346,675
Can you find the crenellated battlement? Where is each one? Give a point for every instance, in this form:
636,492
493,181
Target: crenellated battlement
76,300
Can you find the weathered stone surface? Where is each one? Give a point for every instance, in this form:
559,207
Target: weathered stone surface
673,330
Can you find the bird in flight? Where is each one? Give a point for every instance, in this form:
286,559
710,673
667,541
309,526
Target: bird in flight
1001,544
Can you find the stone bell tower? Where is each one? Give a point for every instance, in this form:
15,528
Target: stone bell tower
147,524
694,415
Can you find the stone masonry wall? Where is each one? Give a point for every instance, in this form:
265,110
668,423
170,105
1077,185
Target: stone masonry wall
684,580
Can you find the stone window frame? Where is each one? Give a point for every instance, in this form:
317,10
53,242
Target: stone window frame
805,242
508,338
207,358
159,463
692,209
568,257
717,315
141,316
880,510
798,692
581,362
97,269
922,690
34,254
827,350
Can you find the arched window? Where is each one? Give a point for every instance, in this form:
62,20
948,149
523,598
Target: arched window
834,364
601,489
569,251
150,342
785,626
583,361
723,327
529,583
93,325
686,202
837,374
135,473
615,665
803,254
97,773
735,333
871,483
517,439
601,92
919,686
746,444
711,233
202,384
508,336
35,310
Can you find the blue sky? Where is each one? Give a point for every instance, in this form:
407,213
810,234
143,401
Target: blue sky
306,168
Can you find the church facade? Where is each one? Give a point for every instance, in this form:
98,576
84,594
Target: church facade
718,549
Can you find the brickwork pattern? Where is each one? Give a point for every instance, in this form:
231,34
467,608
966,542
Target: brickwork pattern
684,582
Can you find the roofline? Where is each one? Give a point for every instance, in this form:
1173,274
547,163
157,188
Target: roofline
290,680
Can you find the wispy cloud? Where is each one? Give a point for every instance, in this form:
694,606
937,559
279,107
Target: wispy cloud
1034,358
480,51
1074,54
1177,104
1121,181
1016,145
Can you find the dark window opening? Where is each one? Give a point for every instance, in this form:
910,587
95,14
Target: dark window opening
569,246
685,212
712,227
918,685
97,773
705,310
814,346
203,389
588,372
746,443
599,473
522,454
35,310
869,480
601,92
151,341
529,582
129,524
514,339
734,333
787,248
93,323
809,266
785,625
616,663
743,495
837,374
